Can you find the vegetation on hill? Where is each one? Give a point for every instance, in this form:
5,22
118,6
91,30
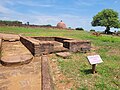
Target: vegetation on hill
10,23
77,67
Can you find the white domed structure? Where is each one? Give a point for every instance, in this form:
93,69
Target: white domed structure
61,24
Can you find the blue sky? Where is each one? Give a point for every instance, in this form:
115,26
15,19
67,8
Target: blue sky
75,13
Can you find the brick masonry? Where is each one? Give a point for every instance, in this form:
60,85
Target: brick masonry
47,83
45,38
36,47
77,45
45,45
0,47
0,43
61,39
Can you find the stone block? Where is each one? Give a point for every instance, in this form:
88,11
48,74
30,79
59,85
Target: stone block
47,83
64,54
76,45
44,38
0,47
19,59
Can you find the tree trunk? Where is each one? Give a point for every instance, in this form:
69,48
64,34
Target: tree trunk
107,31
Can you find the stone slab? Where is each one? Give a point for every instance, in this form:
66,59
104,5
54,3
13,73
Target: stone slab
60,49
47,83
17,59
64,54
9,37
0,47
15,53
0,43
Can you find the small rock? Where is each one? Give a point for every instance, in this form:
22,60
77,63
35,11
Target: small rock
64,54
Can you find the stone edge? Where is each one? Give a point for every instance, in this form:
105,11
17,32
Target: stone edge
0,47
47,82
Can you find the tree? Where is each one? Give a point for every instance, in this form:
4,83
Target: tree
81,29
27,23
108,18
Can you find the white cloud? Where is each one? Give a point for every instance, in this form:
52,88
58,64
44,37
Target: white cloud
89,2
31,3
42,19
4,10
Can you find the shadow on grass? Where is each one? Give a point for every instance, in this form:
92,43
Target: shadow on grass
87,71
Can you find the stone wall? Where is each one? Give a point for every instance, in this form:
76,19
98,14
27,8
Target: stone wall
45,45
30,44
45,38
47,83
77,45
0,43
36,47
61,39
0,47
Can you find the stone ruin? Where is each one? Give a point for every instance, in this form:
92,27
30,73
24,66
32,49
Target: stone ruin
45,45
39,47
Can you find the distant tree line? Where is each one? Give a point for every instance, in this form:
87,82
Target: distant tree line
80,29
10,23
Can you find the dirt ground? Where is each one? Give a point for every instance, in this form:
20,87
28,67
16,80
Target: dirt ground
60,81
21,77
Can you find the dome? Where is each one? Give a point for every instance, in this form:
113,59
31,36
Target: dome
61,25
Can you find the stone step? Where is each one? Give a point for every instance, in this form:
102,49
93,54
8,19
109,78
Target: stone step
17,59
14,53
64,54
9,37
60,49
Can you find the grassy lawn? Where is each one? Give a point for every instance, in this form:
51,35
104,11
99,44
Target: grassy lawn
77,67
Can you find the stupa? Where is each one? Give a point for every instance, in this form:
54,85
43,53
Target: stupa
61,24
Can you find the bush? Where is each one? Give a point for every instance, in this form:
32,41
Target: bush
92,30
81,29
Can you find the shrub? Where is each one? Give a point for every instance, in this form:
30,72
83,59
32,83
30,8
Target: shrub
81,29
92,30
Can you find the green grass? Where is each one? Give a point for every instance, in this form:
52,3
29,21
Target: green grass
77,67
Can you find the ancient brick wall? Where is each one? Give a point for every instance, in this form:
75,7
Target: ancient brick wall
47,83
30,45
60,39
0,47
45,38
77,45
0,43
45,45
36,47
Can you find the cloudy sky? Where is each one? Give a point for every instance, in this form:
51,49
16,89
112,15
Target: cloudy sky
75,13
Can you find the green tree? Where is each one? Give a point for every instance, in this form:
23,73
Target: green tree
108,18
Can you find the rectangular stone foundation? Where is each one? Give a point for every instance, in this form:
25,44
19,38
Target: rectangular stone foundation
45,45
77,45
36,47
